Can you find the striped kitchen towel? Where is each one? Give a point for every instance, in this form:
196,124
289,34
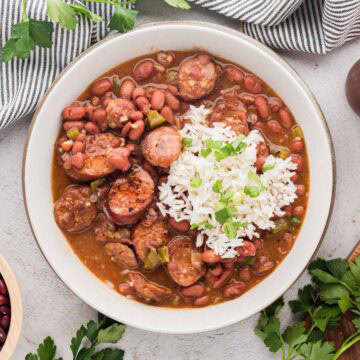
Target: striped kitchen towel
315,26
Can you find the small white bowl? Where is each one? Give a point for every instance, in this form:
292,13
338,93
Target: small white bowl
16,310
114,50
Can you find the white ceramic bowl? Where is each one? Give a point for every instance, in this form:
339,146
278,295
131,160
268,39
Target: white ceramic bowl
231,45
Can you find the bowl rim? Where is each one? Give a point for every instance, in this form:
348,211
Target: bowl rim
15,303
232,32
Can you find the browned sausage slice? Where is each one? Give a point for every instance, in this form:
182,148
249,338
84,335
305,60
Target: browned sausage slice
122,255
146,237
105,231
162,146
130,196
96,163
197,77
233,113
74,211
147,290
185,266
118,111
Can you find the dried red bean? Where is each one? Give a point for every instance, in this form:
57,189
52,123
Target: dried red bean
100,87
300,190
203,301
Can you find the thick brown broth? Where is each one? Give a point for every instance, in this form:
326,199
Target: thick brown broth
93,255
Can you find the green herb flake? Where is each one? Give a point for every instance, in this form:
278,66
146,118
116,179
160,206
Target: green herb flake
230,229
195,182
253,177
217,186
204,224
187,142
252,191
222,215
268,167
205,153
295,221
212,144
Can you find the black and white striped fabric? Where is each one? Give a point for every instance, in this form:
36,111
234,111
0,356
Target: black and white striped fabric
314,26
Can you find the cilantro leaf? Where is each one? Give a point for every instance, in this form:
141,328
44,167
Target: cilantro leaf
112,334
123,19
62,13
295,335
109,354
181,4
77,340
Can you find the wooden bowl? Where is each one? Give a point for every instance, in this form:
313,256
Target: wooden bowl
16,310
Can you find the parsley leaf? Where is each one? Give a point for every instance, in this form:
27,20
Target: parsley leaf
123,19
318,350
181,4
307,298
217,186
252,191
109,354
77,340
112,334
205,153
356,323
187,142
62,13
195,182
295,335
230,230
81,9
204,224
45,351
222,215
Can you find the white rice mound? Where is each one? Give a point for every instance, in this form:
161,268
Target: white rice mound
183,202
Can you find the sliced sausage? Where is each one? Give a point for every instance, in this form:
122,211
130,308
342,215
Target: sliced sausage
130,196
118,112
162,146
74,211
233,113
262,152
105,231
146,289
122,255
247,249
146,237
95,160
185,263
197,77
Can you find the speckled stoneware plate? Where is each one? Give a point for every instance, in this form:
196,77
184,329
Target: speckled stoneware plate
114,50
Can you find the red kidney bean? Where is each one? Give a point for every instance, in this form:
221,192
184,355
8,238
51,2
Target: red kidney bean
105,101
92,128
247,99
100,87
127,88
298,211
300,190
138,92
125,289
3,287
173,90
78,160
258,244
168,114
245,273
234,74
4,300
136,130
5,322
275,104
99,116
157,99
288,238
294,178
2,336
95,100
73,113
78,147
67,145
165,58
73,124
5,310
288,210
274,126
195,290
143,103
222,279
210,257
136,115
116,142
297,146
143,70
118,159
262,107
125,130
203,301
180,226
172,101
216,270
234,290
285,118
81,137
253,85
299,161
229,263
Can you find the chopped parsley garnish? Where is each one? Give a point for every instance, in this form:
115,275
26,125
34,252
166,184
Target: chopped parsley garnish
217,186
212,144
222,215
187,142
268,167
236,143
253,177
205,224
252,191
205,153
195,182
230,229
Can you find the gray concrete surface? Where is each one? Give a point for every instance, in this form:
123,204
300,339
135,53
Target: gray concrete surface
51,309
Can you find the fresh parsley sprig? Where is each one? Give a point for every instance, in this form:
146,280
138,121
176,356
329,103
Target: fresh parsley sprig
31,32
336,290
84,343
